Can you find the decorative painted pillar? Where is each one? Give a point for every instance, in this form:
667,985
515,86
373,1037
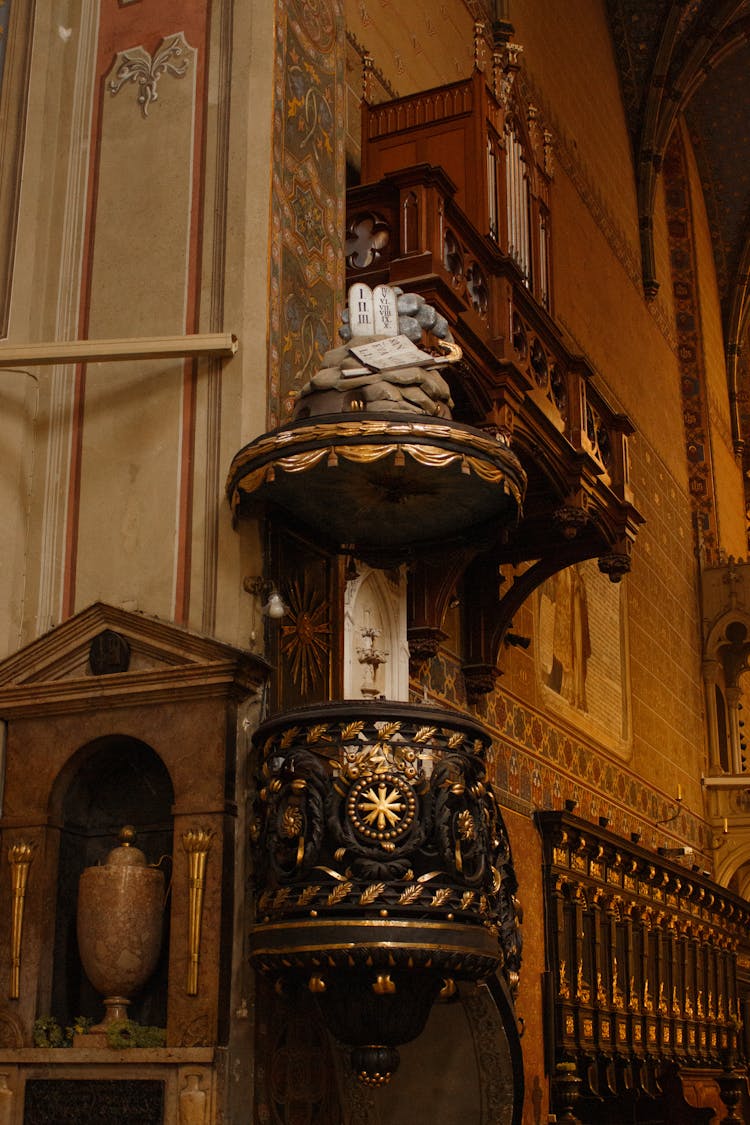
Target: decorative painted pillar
307,260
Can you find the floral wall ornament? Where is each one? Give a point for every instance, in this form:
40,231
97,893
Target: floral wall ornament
197,844
20,856
137,65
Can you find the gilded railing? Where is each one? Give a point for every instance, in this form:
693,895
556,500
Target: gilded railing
642,957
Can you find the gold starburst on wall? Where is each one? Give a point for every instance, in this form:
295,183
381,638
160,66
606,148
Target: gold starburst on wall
305,641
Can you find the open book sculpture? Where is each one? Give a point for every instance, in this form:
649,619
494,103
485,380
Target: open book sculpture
381,366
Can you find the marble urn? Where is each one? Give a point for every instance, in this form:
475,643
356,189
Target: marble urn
120,908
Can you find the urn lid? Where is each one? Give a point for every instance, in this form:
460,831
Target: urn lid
126,855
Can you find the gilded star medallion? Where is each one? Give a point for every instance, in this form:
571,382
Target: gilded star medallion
381,806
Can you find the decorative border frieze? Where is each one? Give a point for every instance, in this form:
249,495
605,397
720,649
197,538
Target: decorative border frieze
539,764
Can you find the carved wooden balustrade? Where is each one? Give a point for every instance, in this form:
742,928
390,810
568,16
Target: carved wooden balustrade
642,970
518,378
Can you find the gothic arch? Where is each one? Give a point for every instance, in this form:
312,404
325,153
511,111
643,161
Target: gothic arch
375,618
731,864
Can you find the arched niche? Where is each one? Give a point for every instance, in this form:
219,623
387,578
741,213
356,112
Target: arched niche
471,1052
111,781
733,870
375,626
726,664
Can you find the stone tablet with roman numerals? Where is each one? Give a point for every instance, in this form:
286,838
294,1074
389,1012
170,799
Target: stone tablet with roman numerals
361,316
385,310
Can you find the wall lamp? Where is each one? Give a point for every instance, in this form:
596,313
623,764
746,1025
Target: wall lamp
274,605
677,807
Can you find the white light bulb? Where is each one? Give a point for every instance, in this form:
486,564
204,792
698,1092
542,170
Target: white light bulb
275,607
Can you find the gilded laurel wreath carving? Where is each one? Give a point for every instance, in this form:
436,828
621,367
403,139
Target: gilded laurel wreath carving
383,816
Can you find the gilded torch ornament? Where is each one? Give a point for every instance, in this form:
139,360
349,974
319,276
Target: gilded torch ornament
197,843
20,856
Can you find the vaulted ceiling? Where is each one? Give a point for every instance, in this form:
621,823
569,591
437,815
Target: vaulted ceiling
691,59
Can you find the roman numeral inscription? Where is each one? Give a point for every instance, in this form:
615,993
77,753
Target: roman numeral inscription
361,313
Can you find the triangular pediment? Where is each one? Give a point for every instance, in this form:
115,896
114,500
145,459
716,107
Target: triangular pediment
152,646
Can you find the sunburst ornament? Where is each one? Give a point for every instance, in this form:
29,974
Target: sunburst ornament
305,641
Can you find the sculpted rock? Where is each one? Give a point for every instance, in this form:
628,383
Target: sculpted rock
344,383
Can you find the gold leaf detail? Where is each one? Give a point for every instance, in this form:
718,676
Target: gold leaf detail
424,733
369,894
387,730
466,900
264,900
307,895
331,872
315,734
425,878
268,744
288,737
411,894
466,826
291,822
280,897
483,904
441,895
338,893
408,876
455,739
351,730
339,853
